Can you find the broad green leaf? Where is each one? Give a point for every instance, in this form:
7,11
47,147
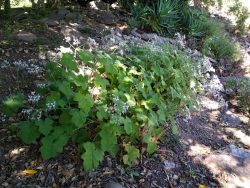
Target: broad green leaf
47,149
86,57
69,62
131,156
101,82
108,139
28,132
151,147
131,99
128,125
92,156
85,102
102,113
65,88
78,117
65,118
12,104
45,126
53,96
53,143
81,81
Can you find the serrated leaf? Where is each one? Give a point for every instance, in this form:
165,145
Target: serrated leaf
92,156
131,156
69,62
81,81
128,125
85,102
108,139
101,82
28,132
78,118
65,118
45,126
131,99
86,57
151,147
54,143
12,104
65,88
101,113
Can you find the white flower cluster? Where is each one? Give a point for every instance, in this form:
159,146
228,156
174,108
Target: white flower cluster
33,98
32,66
2,117
119,107
94,91
51,106
76,42
41,85
32,114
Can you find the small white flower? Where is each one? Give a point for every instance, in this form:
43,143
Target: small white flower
67,39
33,98
2,117
42,85
76,42
94,91
51,105
125,107
115,98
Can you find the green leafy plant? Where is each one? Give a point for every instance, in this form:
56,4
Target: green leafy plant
121,104
220,47
162,17
241,86
242,13
12,104
202,26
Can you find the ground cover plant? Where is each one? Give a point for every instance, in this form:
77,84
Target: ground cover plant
113,105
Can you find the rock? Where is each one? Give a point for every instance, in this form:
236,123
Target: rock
21,16
26,36
231,118
169,165
113,184
52,23
239,152
147,37
72,16
106,18
98,5
63,12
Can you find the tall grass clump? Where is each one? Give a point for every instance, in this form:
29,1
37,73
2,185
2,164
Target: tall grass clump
220,47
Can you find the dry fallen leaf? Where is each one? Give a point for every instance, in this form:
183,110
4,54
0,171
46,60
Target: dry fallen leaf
29,172
202,186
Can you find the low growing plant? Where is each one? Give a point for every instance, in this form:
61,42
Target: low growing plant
112,104
220,47
242,14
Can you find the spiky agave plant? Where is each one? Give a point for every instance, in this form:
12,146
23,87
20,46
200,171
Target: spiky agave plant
162,17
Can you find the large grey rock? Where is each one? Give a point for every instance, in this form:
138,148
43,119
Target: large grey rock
113,184
106,18
26,36
98,5
52,23
72,16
